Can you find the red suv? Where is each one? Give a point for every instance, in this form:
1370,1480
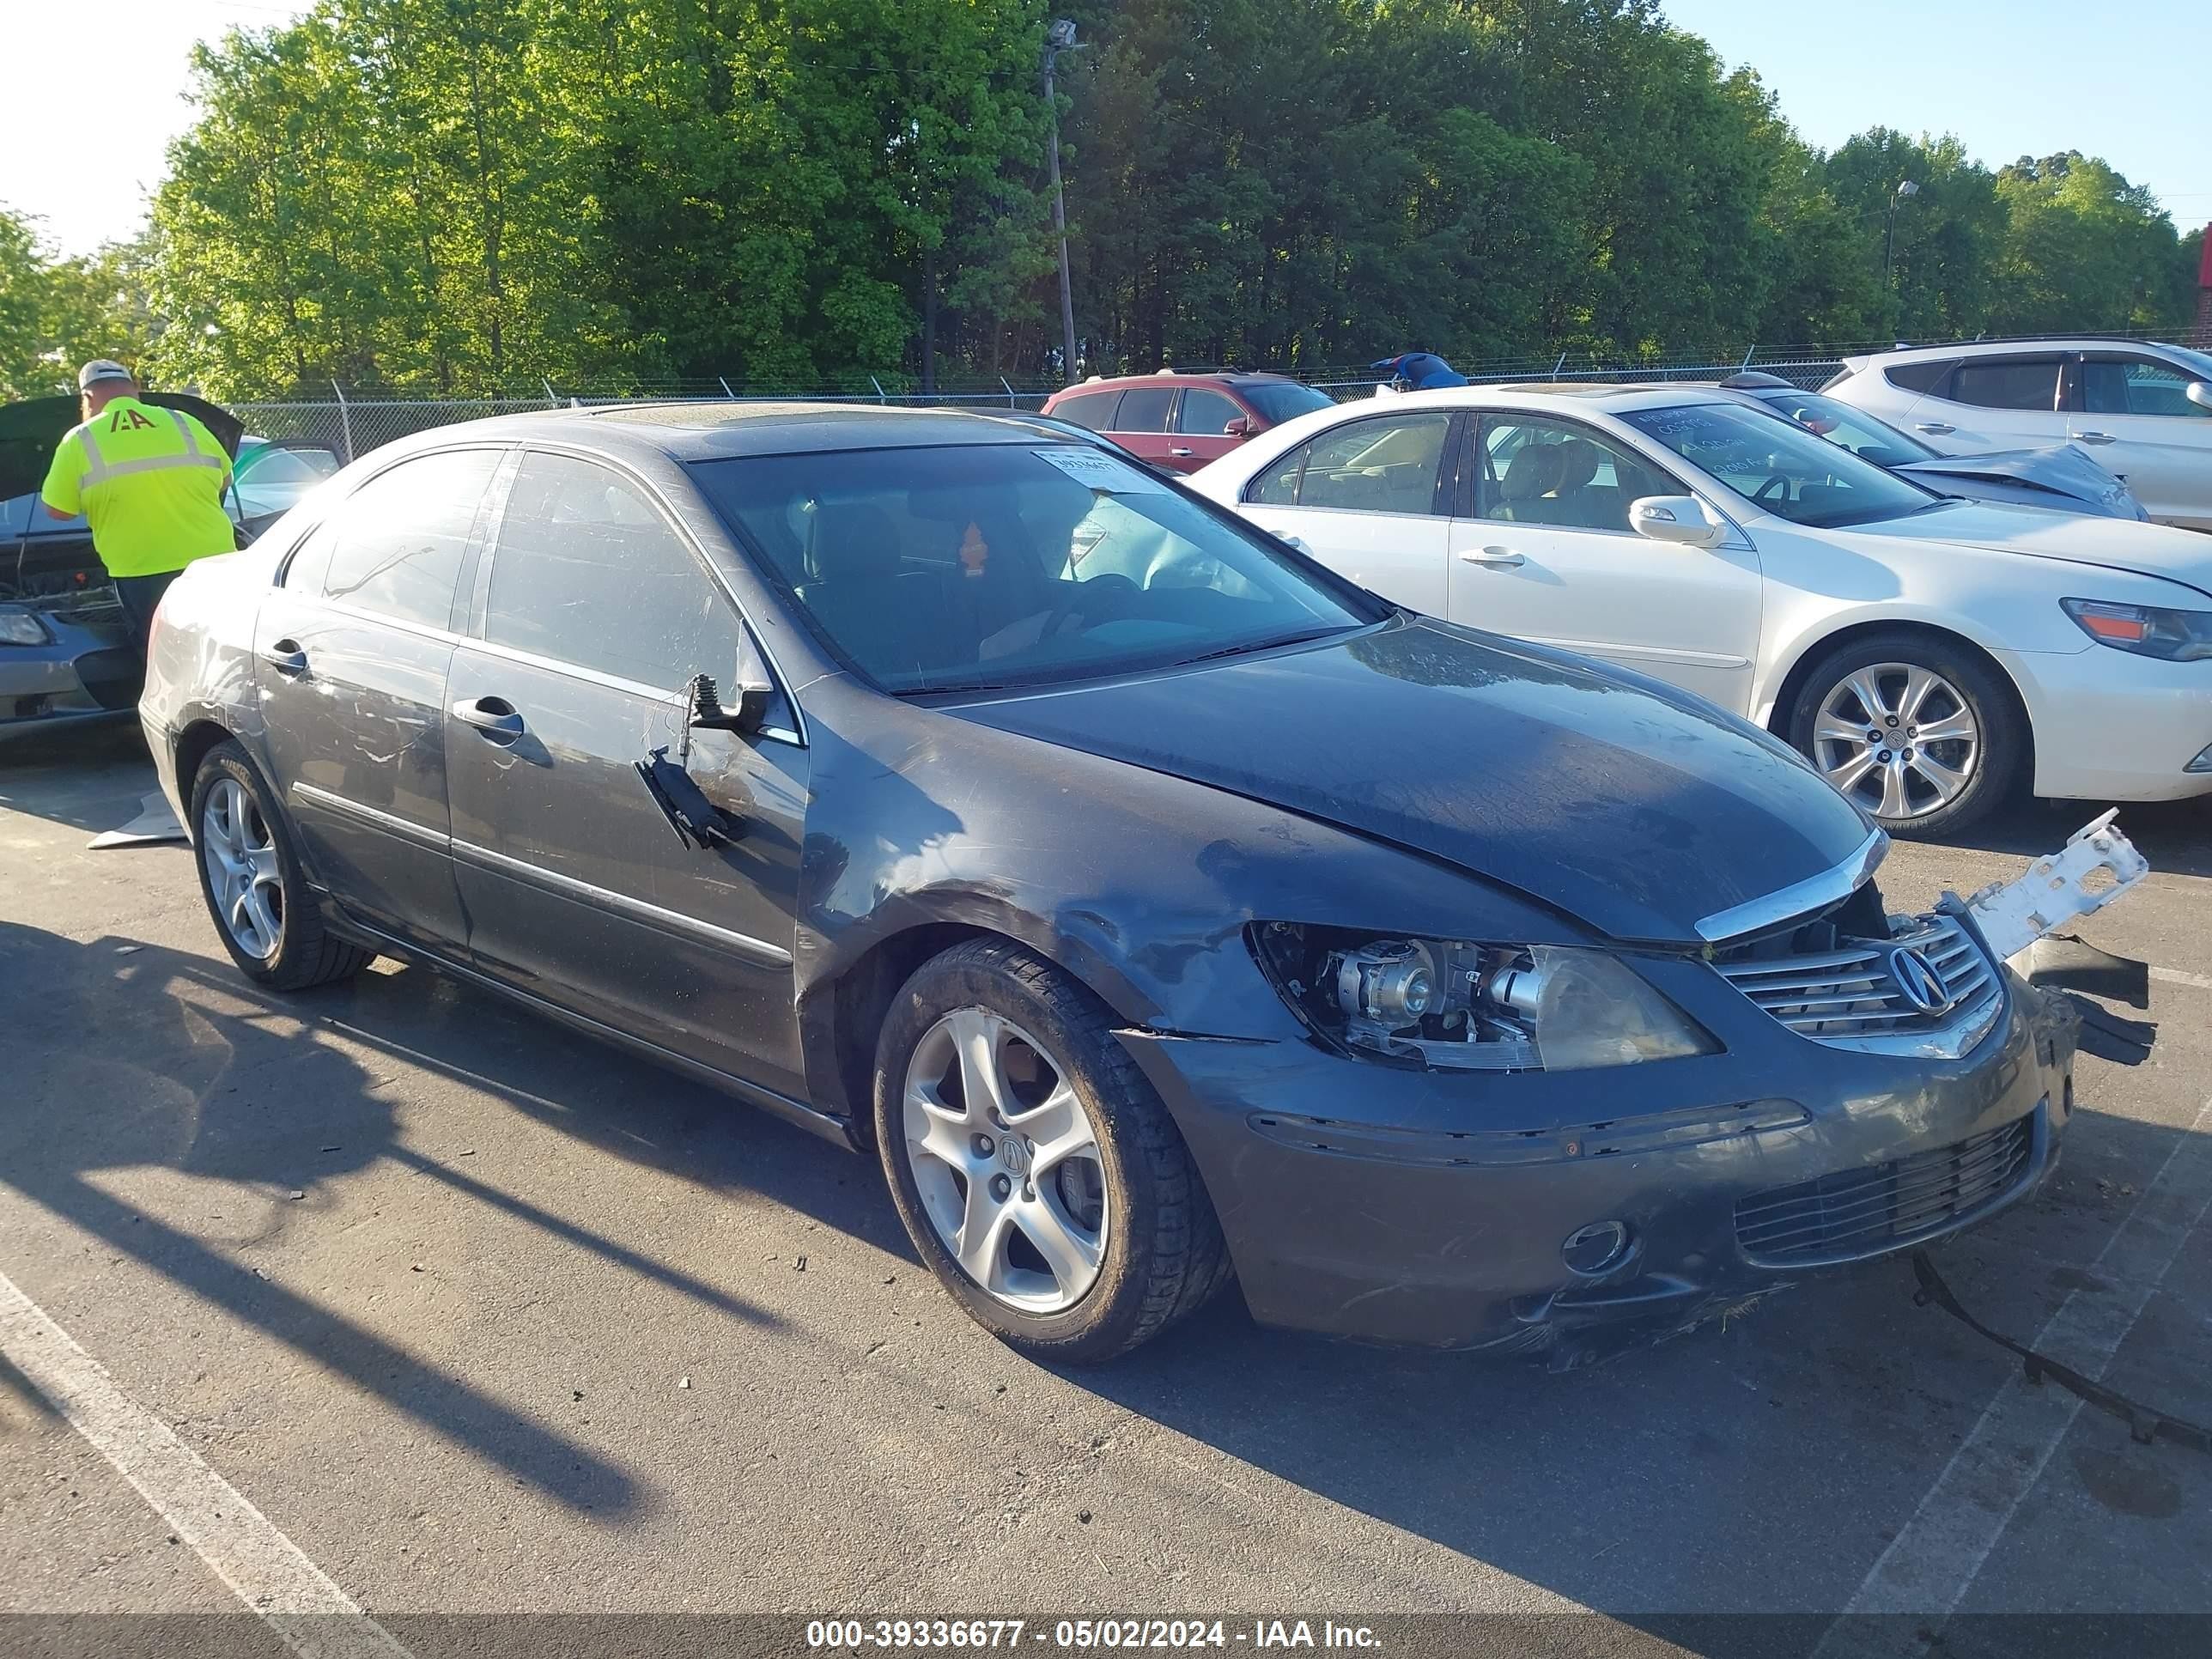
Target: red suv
1181,421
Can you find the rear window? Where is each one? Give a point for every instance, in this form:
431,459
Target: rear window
2007,383
1143,408
1913,377
1092,409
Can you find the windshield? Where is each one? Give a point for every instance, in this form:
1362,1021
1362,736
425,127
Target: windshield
1007,565
1776,464
1855,429
1284,400
271,478
2196,362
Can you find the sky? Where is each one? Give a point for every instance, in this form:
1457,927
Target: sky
2010,78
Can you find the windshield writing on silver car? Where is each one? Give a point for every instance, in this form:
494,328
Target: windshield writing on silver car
944,569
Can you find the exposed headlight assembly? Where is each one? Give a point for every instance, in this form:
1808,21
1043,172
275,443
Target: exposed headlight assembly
1454,1004
20,628
2148,630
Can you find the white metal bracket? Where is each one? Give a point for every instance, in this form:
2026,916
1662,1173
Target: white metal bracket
2054,891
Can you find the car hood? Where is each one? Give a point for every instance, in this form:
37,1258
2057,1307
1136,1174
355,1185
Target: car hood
2148,549
2066,468
31,428
1635,809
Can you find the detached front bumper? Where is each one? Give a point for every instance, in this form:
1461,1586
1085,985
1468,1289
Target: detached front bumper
1427,1208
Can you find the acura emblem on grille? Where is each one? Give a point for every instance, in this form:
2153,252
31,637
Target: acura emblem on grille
1919,981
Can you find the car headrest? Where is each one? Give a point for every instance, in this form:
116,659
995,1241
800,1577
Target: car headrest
1536,470
1579,459
852,541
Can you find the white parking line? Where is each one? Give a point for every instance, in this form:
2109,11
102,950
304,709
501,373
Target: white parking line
266,1570
1930,1565
2175,976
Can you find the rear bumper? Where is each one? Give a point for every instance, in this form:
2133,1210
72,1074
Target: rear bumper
1370,1203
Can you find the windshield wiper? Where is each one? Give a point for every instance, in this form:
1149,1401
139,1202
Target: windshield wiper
1261,645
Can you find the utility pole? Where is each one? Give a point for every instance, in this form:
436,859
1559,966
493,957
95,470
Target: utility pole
1060,38
1904,187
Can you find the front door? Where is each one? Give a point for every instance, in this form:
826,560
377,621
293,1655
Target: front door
350,654
1202,422
2132,412
1371,499
1548,554
594,612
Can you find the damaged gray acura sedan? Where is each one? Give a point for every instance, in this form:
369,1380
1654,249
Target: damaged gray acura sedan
1160,908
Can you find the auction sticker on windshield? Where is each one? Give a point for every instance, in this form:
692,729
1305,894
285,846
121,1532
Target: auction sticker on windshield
1101,471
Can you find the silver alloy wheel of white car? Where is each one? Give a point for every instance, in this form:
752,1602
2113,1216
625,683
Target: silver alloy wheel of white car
1006,1159
1898,739
239,854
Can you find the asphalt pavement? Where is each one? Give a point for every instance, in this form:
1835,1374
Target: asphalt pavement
473,1317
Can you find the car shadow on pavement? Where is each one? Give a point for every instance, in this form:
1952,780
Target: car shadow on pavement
91,777
124,1055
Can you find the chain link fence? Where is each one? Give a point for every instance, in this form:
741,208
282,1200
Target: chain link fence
352,425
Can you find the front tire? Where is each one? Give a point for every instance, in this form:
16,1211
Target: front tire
1917,730
1035,1170
251,877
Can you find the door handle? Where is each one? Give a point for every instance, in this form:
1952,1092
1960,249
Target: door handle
285,657
2092,437
1182,454
1497,555
493,716
1939,428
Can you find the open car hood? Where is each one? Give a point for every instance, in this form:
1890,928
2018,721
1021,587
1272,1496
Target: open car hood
1639,811
2065,469
30,430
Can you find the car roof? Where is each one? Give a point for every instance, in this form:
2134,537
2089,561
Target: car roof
2009,347
1613,399
1179,377
711,431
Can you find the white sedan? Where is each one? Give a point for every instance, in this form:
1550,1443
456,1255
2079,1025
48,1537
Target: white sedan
1926,654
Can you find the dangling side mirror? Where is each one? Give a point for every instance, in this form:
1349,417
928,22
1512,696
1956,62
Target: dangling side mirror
743,707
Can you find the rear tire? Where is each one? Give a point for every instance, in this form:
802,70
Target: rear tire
250,875
1079,1260
1915,728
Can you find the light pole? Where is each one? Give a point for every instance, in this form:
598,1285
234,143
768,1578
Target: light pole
1904,187
1060,38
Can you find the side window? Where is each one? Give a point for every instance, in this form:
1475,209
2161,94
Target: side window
1206,414
395,546
1378,466
1545,472
2007,383
587,571
1092,409
1143,408
2135,386
1913,376
1279,485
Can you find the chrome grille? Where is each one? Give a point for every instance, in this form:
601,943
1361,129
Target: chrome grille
1848,997
1888,1205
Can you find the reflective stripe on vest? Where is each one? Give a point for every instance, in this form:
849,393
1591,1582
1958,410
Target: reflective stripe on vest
100,470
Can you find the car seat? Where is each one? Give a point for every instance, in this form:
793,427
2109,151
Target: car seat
891,620
1534,474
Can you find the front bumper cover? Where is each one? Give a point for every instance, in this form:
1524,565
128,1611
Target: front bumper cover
1425,1208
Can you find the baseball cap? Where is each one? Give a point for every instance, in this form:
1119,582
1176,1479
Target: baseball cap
101,368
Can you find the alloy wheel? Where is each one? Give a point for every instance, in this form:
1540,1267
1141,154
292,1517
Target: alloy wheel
240,853
1006,1162
1898,739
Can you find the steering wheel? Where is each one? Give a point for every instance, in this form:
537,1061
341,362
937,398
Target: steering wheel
1775,484
1104,597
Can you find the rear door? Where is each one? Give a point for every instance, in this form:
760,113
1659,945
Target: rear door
1202,420
1370,499
593,611
2132,412
1144,424
2009,402
1546,553
351,652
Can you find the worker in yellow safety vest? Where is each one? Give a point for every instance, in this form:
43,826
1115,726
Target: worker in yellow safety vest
149,479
